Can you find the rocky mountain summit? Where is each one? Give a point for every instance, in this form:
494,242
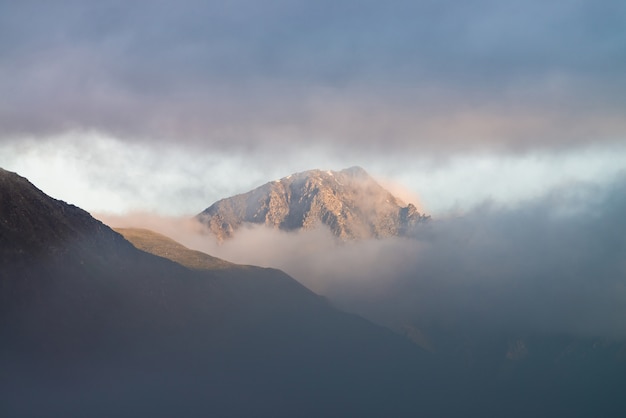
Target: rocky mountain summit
350,202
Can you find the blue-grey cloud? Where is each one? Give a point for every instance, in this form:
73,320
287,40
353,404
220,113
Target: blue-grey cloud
440,74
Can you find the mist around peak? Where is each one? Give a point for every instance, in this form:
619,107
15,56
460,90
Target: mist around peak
553,265
509,300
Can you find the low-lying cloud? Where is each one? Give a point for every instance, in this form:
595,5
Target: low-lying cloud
554,264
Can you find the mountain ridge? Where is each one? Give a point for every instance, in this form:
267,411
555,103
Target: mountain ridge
163,246
349,202
92,326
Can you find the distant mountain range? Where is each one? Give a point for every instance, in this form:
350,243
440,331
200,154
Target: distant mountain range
349,202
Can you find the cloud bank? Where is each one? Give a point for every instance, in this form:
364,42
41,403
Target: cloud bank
556,264
397,76
167,107
102,174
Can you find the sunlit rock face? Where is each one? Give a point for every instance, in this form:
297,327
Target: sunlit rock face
349,202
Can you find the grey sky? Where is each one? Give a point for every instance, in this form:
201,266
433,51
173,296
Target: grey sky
159,105
441,74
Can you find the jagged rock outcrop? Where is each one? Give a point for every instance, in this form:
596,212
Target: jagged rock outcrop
350,202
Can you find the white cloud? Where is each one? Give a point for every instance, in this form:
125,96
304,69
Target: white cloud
103,174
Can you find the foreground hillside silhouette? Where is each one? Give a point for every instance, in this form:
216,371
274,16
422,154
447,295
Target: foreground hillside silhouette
91,326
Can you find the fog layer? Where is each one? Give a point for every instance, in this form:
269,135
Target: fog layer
552,264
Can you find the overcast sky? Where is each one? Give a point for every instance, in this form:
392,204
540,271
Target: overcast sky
167,106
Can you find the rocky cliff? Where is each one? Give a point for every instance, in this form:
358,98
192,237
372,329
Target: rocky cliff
350,202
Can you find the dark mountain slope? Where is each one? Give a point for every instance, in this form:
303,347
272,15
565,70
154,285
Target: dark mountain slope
500,373
350,202
25,232
91,326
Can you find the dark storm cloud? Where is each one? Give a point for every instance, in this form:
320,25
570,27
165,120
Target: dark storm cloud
246,72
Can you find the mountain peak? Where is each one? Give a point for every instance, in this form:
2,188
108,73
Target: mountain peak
350,202
355,171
